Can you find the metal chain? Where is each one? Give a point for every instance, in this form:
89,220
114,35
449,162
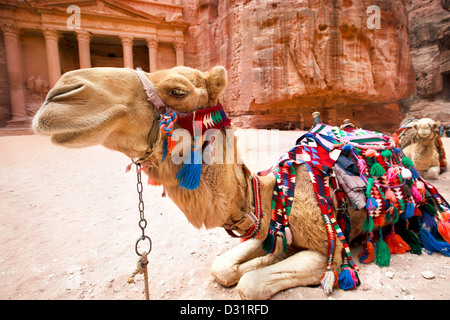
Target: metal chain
142,221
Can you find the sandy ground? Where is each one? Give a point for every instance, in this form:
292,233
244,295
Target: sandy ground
69,222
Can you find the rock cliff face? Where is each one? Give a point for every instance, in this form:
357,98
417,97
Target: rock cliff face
287,59
429,32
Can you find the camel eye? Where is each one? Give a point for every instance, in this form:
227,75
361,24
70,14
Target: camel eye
178,93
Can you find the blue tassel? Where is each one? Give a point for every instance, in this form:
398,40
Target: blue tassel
371,204
348,279
415,174
347,147
165,151
409,211
397,150
428,221
189,176
431,244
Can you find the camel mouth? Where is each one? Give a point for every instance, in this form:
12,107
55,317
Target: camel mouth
74,131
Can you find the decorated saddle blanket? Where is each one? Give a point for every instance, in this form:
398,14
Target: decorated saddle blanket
393,192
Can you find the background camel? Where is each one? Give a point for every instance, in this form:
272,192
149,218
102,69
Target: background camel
108,106
423,145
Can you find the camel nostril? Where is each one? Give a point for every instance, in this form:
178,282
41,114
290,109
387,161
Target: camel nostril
64,91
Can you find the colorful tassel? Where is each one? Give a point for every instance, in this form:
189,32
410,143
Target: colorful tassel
377,170
370,153
409,211
329,281
406,173
189,176
348,278
390,195
444,230
386,153
416,194
407,162
392,214
396,244
368,224
369,187
383,255
391,175
371,204
367,253
428,221
362,166
431,244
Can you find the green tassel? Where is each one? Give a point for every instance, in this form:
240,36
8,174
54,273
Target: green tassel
430,209
407,162
383,255
369,187
386,153
377,170
368,224
413,241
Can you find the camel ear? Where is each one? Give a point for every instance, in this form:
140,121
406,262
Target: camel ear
216,82
436,126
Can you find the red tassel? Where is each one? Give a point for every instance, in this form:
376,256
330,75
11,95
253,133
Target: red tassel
444,230
446,216
367,249
379,221
171,144
396,244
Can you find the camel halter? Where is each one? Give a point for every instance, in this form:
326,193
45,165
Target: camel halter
213,117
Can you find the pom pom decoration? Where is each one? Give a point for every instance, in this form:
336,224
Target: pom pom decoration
406,173
407,162
390,195
370,153
391,174
386,153
377,170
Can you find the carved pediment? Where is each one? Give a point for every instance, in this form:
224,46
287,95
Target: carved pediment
105,8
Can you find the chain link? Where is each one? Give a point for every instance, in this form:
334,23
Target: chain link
142,222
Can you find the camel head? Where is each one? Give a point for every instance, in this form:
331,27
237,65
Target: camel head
425,128
109,107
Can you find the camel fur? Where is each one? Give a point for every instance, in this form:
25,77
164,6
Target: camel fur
109,107
419,144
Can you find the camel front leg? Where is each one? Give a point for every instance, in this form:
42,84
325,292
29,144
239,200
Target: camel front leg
301,269
229,267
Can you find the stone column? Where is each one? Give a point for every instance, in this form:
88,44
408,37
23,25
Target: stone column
54,66
179,51
152,45
14,69
84,49
127,44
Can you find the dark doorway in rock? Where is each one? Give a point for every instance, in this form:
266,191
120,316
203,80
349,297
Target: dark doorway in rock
446,85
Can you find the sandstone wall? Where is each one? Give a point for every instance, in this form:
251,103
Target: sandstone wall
289,58
429,31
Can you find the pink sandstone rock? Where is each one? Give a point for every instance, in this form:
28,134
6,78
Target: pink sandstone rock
287,59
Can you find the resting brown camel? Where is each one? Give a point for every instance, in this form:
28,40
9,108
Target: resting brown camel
420,145
109,107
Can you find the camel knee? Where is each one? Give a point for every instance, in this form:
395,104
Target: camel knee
227,269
